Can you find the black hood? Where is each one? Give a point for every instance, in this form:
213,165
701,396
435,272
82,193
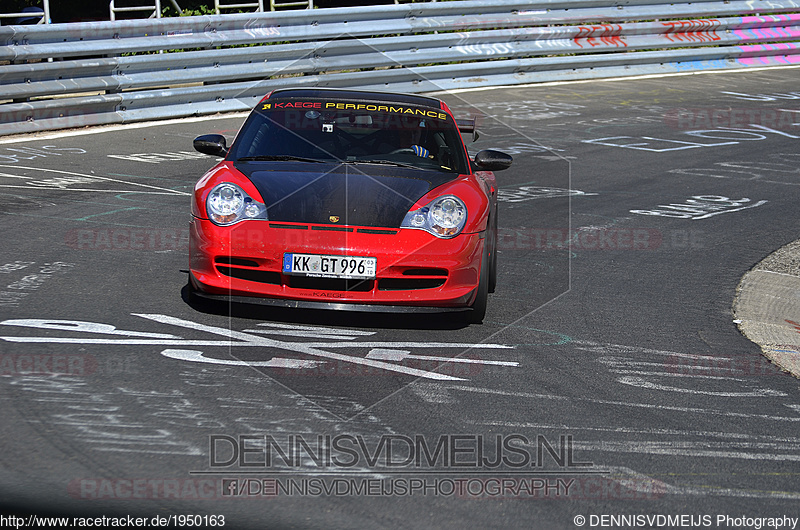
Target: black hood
359,195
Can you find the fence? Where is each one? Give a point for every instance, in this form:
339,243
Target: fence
41,15
74,75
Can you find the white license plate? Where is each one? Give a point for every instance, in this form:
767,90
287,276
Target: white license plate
350,267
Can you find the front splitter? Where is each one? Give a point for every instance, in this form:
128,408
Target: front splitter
308,304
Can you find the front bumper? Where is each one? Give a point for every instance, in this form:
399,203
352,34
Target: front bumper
415,269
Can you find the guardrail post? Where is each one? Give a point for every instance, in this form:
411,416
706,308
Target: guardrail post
30,13
219,6
273,5
113,10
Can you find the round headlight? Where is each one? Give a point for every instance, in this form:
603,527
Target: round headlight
225,203
448,215
448,212
444,217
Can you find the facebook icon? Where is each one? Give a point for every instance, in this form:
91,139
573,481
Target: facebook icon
230,487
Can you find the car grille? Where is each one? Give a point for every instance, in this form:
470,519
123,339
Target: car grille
249,269
251,275
330,284
409,284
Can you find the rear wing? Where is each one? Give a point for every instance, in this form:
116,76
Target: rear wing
468,126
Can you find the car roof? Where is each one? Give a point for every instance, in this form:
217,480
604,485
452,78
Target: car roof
356,95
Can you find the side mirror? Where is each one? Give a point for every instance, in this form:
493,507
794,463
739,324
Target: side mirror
490,160
211,144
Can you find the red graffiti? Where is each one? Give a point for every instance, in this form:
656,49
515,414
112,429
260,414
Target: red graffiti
692,30
603,35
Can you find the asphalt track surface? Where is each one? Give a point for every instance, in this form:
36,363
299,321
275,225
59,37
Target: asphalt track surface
632,211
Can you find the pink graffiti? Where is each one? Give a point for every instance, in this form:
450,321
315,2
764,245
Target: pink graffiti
768,19
765,54
763,27
603,35
692,30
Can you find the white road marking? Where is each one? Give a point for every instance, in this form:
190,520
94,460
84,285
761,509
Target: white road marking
619,348
388,355
390,344
431,392
759,203
309,331
298,347
82,178
693,449
319,330
127,342
692,410
680,365
86,327
646,484
643,383
640,430
297,333
275,362
399,355
256,342
615,362
671,374
376,358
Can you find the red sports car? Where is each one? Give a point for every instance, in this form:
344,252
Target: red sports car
347,199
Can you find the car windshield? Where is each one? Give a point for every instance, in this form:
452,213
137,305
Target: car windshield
348,132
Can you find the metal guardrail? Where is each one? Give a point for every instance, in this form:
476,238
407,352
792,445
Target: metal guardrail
73,75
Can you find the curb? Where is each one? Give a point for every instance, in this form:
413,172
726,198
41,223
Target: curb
767,307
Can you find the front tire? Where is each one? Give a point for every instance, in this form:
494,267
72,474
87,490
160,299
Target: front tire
482,298
493,254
